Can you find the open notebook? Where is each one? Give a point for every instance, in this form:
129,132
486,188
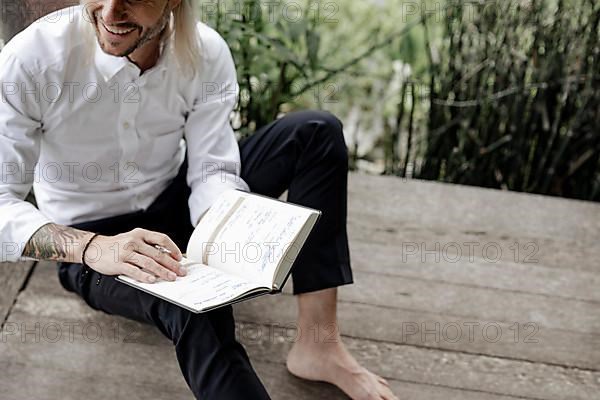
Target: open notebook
244,246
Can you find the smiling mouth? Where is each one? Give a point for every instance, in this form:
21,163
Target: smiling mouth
116,31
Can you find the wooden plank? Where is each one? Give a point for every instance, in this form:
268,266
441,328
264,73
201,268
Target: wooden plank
456,370
426,203
284,386
12,277
546,252
439,331
80,366
472,302
391,211
49,383
452,267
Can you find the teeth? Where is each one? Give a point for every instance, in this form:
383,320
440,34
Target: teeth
118,31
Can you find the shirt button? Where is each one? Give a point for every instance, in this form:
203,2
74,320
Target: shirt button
126,125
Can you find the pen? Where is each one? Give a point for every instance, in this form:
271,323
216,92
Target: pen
162,249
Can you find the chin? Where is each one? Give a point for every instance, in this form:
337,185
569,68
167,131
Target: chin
117,51
121,49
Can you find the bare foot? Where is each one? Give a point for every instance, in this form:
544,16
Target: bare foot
331,362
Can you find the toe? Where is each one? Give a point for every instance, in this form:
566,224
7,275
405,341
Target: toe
385,391
386,394
383,381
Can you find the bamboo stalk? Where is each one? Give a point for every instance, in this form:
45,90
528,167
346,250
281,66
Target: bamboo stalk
410,130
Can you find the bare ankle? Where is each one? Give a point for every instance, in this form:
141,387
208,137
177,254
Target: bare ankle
318,333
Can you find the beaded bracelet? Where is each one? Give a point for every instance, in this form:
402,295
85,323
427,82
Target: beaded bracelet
85,249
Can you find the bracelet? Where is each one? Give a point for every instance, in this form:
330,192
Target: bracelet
85,249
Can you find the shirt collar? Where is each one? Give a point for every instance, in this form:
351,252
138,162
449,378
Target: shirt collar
109,66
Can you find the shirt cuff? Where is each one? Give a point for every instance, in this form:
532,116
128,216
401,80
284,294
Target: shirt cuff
19,222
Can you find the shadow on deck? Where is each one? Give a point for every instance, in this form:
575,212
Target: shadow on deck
460,293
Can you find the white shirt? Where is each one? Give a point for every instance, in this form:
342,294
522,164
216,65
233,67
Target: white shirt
95,139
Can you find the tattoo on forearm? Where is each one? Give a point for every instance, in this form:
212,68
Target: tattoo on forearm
54,242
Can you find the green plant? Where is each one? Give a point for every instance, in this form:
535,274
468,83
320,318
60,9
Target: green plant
497,93
515,98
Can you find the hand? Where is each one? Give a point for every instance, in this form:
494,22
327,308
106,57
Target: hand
133,254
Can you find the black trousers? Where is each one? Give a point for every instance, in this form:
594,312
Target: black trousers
303,152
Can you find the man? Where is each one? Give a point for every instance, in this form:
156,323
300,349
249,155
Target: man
104,119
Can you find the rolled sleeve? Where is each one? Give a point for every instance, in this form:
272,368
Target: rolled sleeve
213,153
20,126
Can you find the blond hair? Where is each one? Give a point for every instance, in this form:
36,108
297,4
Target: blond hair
187,43
182,28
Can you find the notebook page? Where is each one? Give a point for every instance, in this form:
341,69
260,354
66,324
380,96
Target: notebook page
208,224
255,237
202,287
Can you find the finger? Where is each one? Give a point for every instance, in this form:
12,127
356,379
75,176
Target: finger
162,258
137,274
152,238
152,266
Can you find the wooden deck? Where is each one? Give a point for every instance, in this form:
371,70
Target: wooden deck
437,324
